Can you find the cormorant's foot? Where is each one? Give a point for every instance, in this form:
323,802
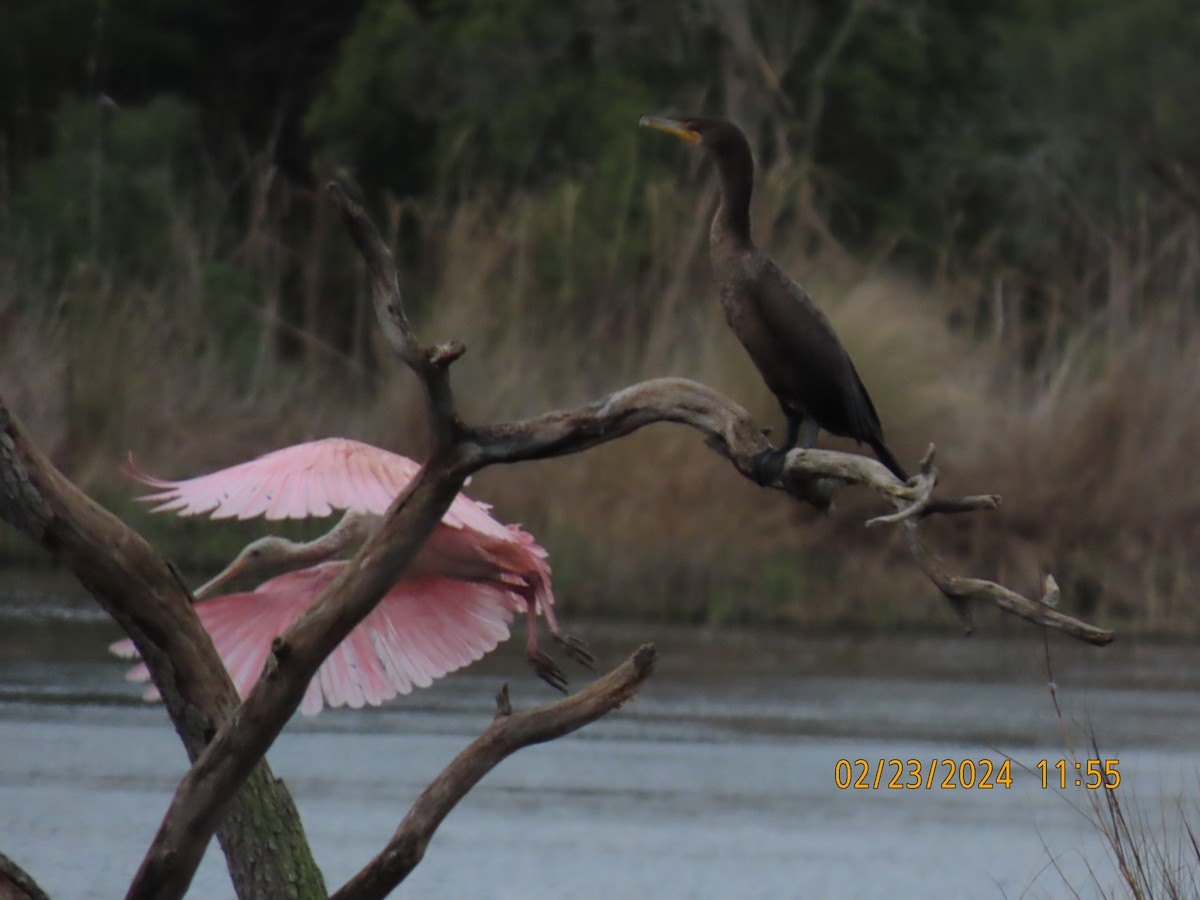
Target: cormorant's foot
577,650
768,466
547,670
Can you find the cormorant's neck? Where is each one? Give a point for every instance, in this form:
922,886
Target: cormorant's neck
736,168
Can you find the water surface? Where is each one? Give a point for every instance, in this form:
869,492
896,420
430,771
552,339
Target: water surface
717,782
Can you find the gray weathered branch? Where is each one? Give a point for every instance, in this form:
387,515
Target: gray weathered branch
507,734
431,364
262,837
807,473
16,883
198,804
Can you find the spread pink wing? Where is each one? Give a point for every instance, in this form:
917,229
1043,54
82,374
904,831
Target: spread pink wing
425,626
310,479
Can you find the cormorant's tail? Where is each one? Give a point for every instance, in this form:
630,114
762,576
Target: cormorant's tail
886,457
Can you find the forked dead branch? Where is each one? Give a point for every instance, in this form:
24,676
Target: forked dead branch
234,740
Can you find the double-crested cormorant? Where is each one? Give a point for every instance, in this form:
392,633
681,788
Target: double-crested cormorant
790,340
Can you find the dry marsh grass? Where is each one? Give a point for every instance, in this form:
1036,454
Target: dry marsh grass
1092,449
1097,469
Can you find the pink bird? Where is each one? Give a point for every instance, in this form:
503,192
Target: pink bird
452,605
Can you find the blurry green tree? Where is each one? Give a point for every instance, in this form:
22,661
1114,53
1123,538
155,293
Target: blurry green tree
1006,137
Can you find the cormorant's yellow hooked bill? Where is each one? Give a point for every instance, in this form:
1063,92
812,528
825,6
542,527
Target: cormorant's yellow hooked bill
788,337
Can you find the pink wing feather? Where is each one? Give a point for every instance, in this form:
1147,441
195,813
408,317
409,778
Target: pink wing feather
424,627
309,479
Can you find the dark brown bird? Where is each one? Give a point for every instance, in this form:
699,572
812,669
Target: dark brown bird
788,337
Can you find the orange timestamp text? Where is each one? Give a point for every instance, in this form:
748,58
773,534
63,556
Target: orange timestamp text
922,774
1092,774
969,774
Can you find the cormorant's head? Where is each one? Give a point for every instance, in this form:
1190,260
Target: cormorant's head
717,135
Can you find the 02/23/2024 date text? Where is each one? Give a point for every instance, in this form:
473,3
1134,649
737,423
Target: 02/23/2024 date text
971,774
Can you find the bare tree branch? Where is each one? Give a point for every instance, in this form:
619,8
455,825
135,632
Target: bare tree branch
731,433
171,860
727,425
198,804
924,503
431,364
914,503
262,838
16,883
507,734
959,590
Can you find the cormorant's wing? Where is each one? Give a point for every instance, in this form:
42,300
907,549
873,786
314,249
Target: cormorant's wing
806,362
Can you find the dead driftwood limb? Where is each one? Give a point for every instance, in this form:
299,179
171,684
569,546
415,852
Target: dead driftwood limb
262,836
916,501
16,883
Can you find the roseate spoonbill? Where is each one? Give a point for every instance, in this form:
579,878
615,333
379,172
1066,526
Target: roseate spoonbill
490,571
789,339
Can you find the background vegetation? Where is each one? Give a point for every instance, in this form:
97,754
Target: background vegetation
997,203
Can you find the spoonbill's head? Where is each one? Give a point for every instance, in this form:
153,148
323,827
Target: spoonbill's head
263,558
